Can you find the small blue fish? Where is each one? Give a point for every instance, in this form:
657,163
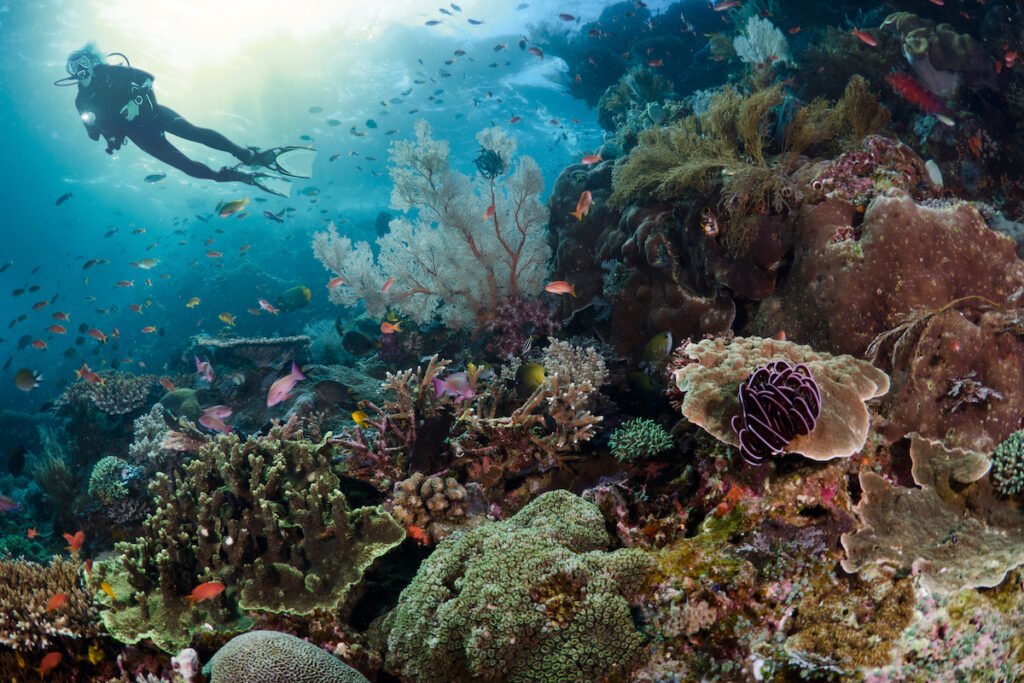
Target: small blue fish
155,177
272,216
63,198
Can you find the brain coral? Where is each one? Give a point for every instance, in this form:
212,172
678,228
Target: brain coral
534,598
273,657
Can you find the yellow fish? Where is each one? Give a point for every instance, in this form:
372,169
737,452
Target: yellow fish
227,318
192,303
361,418
109,591
95,654
232,207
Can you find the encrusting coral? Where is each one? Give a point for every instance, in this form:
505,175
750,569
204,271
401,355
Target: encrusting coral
472,242
712,370
262,516
537,597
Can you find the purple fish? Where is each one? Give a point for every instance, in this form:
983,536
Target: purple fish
211,422
219,412
9,504
455,384
204,368
280,389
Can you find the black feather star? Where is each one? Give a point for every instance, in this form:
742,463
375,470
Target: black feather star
489,163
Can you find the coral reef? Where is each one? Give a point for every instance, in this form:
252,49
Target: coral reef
515,321
778,402
639,439
447,261
536,597
953,531
250,352
1007,472
711,371
116,394
942,58
107,481
761,43
274,657
262,516
434,504
27,626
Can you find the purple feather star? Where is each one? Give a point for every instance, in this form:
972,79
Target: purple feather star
778,402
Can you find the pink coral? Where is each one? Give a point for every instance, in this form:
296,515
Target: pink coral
515,320
859,175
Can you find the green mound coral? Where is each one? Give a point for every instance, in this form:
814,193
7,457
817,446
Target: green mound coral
107,481
1007,473
262,516
274,657
639,439
534,598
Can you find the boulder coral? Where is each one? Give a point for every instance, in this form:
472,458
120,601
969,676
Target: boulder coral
274,657
537,597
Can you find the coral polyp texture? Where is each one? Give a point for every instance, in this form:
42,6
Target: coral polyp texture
778,402
1007,472
639,439
711,372
538,597
275,657
264,517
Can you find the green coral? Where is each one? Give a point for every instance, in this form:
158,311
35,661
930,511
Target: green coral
534,598
1007,473
107,481
639,439
263,516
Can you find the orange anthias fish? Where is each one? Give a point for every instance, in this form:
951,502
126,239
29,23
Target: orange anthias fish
560,287
49,663
88,375
167,384
266,306
387,285
920,96
32,533
335,282
590,159
57,601
205,591
97,335
39,344
60,315
865,38
583,205
489,213
75,542
57,329
390,328
148,329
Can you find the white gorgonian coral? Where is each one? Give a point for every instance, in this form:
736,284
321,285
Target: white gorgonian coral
761,43
451,255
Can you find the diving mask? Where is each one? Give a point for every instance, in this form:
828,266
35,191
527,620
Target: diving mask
80,66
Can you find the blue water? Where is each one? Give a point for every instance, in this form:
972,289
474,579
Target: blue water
251,71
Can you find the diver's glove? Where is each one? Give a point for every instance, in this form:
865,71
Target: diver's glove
114,143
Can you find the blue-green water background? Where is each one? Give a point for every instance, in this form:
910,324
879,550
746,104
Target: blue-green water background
250,70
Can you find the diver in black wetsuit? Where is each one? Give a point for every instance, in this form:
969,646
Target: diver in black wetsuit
117,102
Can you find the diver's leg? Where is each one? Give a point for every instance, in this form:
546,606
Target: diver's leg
175,124
153,143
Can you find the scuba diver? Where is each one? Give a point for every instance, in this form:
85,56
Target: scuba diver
117,102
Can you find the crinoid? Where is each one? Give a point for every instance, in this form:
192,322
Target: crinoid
489,163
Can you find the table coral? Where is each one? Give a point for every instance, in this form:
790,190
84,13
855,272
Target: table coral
263,516
712,370
537,597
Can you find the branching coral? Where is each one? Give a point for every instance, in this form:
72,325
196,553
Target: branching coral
535,598
262,516
639,439
26,588
472,241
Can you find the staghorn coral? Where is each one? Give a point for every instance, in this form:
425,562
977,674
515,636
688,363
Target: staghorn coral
713,369
537,597
434,504
274,657
25,590
263,516
450,260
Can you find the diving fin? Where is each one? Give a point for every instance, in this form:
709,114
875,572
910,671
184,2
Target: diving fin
292,161
273,184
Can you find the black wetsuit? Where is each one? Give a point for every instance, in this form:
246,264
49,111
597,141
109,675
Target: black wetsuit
121,100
